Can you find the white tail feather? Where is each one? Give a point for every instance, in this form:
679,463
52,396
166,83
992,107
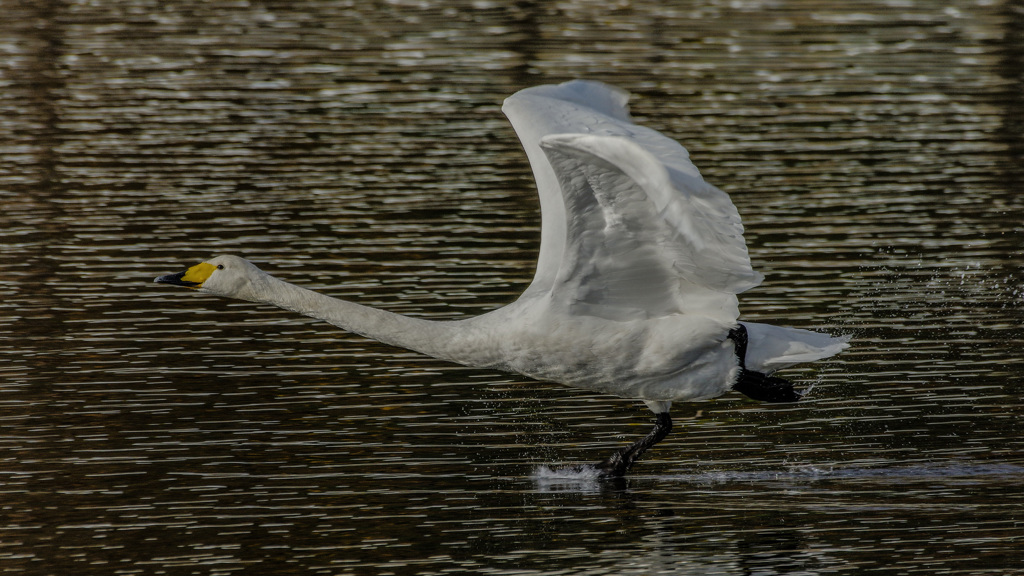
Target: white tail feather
772,348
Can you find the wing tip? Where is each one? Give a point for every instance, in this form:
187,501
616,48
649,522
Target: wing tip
604,98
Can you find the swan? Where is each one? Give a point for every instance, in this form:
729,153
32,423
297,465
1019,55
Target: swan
635,290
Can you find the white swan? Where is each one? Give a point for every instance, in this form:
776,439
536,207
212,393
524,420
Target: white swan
635,290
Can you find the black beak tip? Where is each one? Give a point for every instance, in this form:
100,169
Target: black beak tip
175,280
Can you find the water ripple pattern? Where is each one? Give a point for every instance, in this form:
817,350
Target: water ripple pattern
874,150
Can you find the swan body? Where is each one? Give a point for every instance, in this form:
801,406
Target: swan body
635,292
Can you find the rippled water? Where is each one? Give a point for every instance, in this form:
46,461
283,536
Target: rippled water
874,150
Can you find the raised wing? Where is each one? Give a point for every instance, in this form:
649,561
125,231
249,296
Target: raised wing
630,229
573,107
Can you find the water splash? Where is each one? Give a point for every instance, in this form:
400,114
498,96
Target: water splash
581,478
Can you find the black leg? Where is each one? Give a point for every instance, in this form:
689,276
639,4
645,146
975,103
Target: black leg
757,385
618,464
739,336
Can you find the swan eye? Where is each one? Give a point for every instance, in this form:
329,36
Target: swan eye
220,266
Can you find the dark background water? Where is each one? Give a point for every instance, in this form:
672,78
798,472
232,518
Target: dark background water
875,152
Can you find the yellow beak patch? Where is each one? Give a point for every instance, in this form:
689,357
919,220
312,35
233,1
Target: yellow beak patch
198,273
191,278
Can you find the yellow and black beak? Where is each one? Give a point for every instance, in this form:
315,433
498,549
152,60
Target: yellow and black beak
191,278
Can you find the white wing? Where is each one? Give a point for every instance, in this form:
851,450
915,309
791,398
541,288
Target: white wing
629,227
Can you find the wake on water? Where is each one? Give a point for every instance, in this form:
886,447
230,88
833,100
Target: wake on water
587,478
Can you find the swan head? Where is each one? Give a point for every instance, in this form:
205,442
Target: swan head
228,276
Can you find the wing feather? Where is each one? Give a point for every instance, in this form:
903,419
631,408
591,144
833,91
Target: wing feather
630,229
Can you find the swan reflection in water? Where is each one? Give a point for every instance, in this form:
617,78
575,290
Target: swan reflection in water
635,292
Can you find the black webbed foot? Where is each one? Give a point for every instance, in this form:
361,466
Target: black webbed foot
765,388
619,463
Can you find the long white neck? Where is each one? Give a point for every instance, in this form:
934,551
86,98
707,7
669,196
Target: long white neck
448,340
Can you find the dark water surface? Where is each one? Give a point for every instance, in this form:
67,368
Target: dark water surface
874,149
